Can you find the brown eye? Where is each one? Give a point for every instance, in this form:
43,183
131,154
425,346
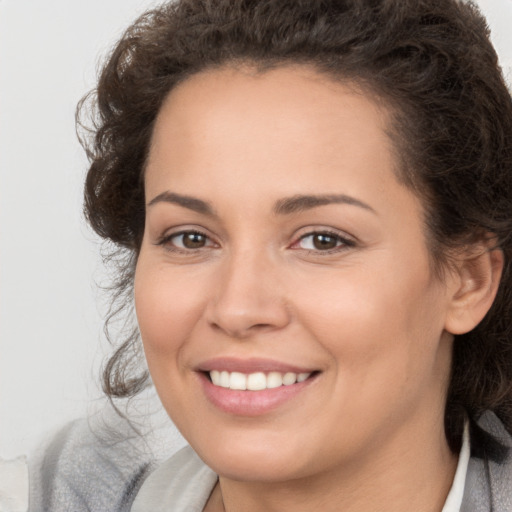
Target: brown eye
319,242
324,242
186,240
191,240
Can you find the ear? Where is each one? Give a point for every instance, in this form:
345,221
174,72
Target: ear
476,278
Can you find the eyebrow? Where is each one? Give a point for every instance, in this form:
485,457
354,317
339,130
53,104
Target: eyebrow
192,203
301,203
286,206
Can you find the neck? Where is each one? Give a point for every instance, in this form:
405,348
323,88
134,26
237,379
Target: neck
401,476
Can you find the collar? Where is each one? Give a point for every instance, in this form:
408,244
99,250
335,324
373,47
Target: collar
454,500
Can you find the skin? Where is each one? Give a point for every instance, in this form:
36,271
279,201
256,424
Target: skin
369,315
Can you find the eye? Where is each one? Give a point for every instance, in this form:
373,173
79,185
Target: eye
186,240
323,241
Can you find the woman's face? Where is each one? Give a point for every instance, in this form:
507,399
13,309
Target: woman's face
281,252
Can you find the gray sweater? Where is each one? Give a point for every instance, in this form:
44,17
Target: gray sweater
81,471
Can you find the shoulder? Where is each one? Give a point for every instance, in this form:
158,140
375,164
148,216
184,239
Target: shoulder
489,477
13,485
80,470
182,483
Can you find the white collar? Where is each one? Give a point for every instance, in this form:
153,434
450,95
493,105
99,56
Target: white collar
454,499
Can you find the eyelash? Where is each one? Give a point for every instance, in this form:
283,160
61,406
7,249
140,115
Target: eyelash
166,241
342,243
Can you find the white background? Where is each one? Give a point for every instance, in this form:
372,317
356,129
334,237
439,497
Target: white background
50,320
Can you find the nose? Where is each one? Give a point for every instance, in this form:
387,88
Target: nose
248,298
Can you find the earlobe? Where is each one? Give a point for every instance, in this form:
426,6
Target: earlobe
476,281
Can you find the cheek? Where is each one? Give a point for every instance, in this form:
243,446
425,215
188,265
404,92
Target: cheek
167,305
362,317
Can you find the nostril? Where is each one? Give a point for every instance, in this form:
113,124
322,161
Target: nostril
241,316
259,327
239,328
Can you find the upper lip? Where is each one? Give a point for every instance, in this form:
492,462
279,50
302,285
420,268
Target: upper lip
251,365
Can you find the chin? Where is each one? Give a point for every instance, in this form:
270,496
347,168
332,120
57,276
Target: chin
246,469
256,461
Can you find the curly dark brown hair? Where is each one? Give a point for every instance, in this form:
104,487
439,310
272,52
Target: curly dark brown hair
430,61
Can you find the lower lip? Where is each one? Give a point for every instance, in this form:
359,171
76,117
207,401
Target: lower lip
251,403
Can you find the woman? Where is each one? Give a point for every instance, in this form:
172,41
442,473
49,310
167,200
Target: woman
314,201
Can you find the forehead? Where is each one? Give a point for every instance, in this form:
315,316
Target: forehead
287,118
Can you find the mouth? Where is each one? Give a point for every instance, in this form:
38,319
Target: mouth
254,387
256,381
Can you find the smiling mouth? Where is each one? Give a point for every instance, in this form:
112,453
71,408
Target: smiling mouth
254,387
256,381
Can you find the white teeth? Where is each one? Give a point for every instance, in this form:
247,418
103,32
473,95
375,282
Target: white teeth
237,381
215,376
224,379
274,380
255,381
289,378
